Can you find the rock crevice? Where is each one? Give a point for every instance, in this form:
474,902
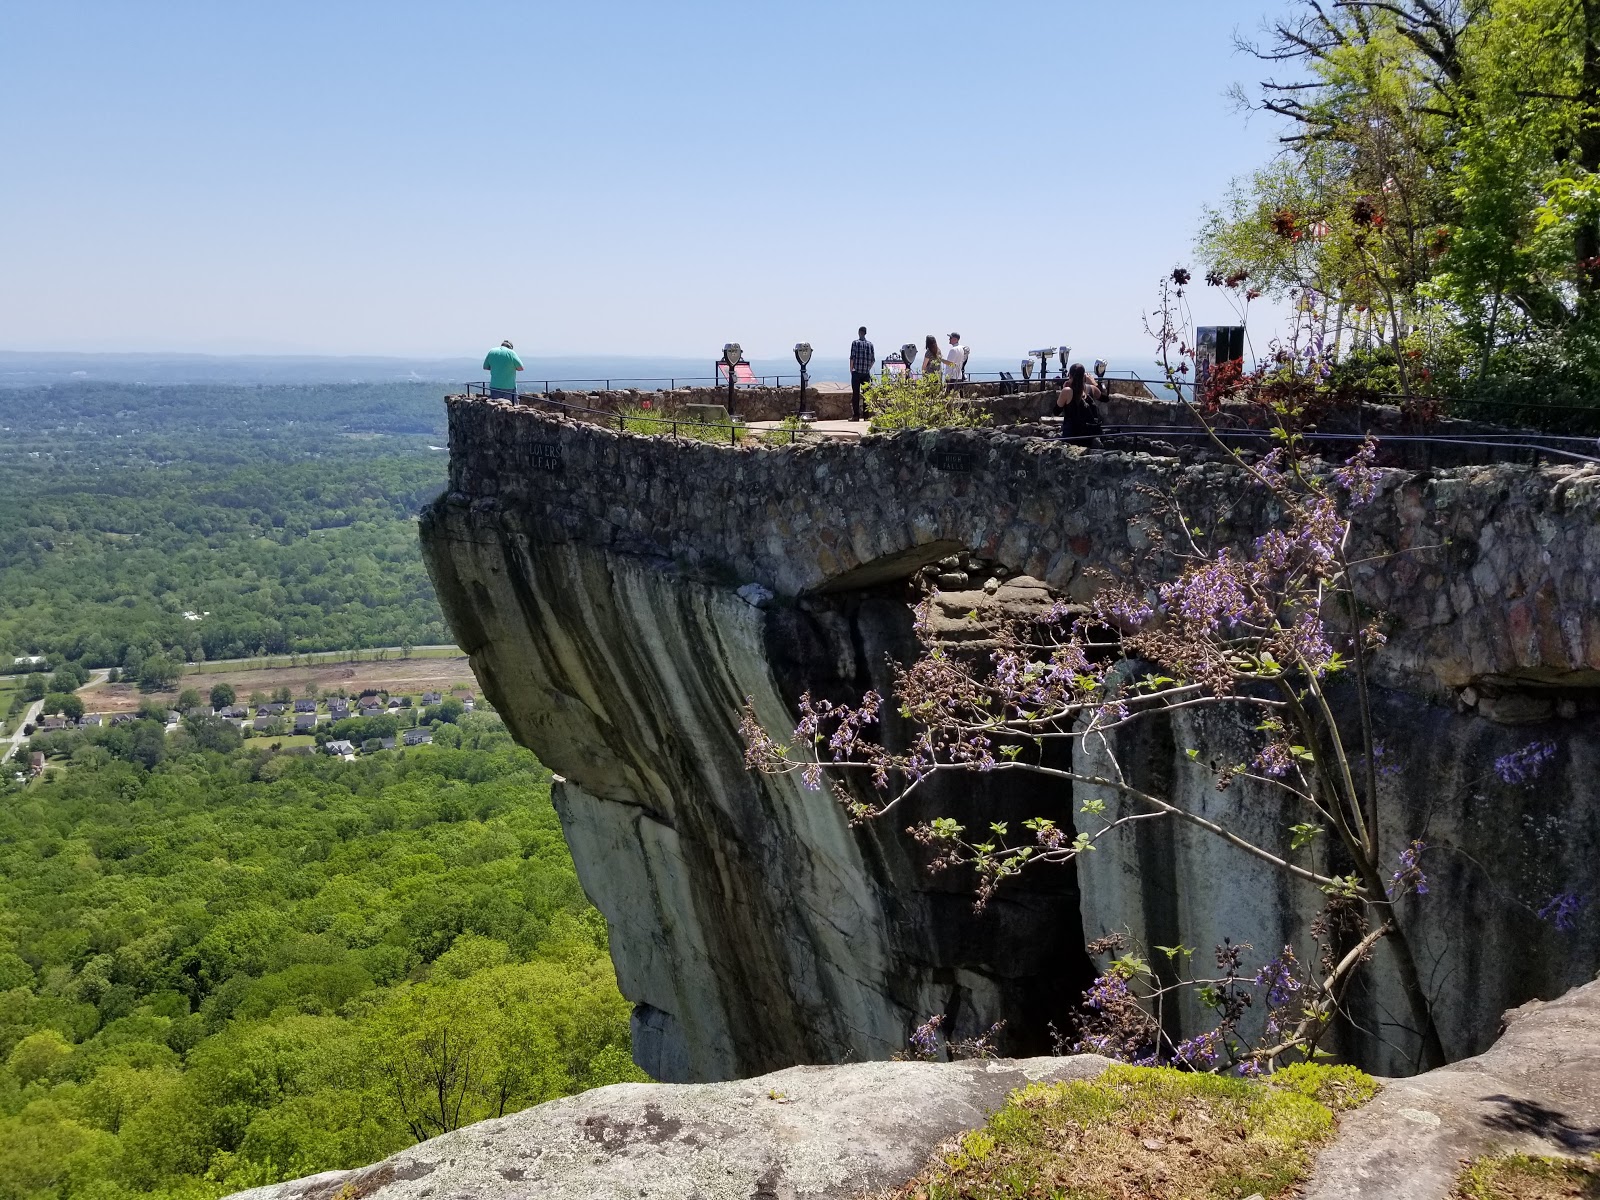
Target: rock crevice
607,610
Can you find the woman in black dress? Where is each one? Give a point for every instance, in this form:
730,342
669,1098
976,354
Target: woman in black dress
1079,421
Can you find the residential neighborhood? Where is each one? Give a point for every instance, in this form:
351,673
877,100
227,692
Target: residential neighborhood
340,725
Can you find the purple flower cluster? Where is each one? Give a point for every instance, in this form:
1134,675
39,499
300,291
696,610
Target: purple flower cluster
1050,836
1200,1051
1358,476
1122,607
1249,1068
1307,641
1526,764
1210,595
1278,977
1107,991
1409,877
925,1038
1562,910
1275,759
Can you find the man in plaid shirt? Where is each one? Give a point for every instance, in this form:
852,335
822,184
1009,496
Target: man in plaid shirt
862,356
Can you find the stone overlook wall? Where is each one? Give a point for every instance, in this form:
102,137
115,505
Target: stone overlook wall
1489,571
595,578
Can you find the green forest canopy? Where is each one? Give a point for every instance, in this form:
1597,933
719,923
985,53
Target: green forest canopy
283,518
221,966
235,968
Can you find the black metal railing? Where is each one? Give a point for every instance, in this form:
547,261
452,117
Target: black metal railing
1572,449
628,382
1536,444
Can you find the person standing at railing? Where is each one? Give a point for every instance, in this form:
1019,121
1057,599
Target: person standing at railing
932,360
955,360
862,357
1079,421
502,364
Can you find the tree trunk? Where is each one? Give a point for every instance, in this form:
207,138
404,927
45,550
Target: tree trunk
1586,246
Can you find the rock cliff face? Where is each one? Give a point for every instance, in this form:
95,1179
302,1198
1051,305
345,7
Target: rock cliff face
596,577
810,1133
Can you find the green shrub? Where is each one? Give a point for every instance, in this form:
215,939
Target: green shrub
903,402
636,419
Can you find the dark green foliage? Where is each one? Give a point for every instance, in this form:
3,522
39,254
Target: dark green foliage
278,519
221,967
230,967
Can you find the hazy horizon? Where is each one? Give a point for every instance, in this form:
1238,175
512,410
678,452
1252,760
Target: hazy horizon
410,180
31,368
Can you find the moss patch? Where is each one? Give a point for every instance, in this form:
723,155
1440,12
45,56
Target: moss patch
1147,1132
1521,1177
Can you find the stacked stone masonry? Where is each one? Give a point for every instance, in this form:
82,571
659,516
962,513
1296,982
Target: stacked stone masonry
595,577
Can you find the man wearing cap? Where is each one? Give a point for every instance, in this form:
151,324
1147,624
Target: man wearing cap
955,360
502,364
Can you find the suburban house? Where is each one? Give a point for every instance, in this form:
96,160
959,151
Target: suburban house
234,712
430,698
305,722
305,706
417,737
372,711
124,718
51,724
264,724
91,719
338,710
342,749
272,710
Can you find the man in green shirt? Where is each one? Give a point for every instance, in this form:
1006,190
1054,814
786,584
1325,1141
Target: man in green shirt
502,364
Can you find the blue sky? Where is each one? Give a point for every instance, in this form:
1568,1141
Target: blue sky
606,178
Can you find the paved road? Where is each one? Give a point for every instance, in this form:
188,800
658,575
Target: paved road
12,744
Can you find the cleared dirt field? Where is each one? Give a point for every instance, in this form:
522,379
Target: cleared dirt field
398,676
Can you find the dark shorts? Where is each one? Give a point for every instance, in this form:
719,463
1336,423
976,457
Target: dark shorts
502,393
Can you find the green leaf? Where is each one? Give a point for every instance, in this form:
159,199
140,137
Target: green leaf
1094,808
1303,835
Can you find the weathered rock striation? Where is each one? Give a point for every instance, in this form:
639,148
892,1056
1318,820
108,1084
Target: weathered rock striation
600,582
807,1133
